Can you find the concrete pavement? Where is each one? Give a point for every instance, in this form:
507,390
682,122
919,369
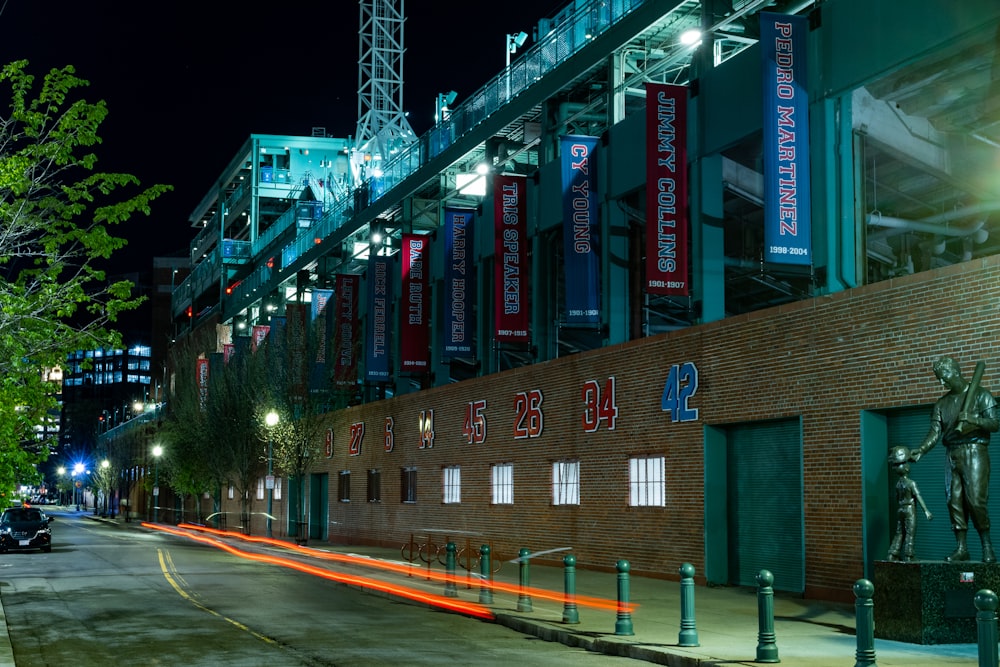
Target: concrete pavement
807,633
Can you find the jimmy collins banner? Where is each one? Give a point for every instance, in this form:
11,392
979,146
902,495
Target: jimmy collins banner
378,335
345,334
666,190
414,326
580,230
510,226
459,283
786,139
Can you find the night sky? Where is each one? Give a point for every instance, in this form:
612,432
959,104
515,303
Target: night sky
187,82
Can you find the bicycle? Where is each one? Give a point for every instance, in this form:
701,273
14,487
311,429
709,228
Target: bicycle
470,562
411,551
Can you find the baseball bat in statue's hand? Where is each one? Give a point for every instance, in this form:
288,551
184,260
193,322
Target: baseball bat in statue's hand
964,425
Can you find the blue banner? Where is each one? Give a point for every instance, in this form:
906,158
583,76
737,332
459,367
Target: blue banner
581,234
787,221
459,284
378,334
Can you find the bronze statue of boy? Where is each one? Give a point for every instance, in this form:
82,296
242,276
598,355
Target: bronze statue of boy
907,497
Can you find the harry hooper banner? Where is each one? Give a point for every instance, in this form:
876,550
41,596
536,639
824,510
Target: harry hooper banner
459,283
345,334
510,227
580,230
666,190
786,139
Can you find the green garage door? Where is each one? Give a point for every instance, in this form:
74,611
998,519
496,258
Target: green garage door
765,504
935,539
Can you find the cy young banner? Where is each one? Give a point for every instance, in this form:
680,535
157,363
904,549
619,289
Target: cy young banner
414,326
510,228
787,225
580,230
459,283
378,336
666,190
345,331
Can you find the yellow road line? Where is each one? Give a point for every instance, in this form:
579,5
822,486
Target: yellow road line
170,574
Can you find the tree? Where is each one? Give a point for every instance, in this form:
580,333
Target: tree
55,216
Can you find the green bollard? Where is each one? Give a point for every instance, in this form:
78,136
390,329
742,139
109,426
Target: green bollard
450,589
986,623
524,579
767,649
570,613
688,635
623,626
485,571
864,623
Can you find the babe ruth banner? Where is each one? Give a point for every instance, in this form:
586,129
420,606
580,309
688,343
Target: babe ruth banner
510,228
787,223
345,331
459,283
319,338
414,325
581,235
666,190
378,334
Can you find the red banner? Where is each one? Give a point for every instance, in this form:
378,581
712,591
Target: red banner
510,226
666,190
345,334
258,336
414,326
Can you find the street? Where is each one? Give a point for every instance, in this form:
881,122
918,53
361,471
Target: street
137,597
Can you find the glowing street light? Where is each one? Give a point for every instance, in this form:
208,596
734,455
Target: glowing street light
157,453
271,419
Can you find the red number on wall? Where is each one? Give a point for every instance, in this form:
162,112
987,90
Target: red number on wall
528,418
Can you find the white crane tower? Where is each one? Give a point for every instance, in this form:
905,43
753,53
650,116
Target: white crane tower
382,128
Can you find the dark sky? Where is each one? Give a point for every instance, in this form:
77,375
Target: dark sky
187,82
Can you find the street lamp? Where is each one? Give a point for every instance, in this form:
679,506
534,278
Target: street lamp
78,469
157,452
61,471
271,419
105,472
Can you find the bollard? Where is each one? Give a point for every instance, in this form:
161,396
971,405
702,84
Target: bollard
524,581
767,649
485,571
986,627
570,613
450,590
864,623
688,635
623,626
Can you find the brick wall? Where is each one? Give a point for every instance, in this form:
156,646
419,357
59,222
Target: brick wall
824,360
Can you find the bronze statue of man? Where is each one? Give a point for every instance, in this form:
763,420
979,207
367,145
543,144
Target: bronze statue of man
963,419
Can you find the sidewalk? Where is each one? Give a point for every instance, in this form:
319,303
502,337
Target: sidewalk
807,633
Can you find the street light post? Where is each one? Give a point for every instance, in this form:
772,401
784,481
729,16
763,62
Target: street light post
77,484
271,419
514,42
105,464
157,452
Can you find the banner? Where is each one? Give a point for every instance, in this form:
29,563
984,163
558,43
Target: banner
581,234
378,334
510,228
201,373
459,283
259,333
318,339
787,221
414,325
345,332
276,352
666,190
296,340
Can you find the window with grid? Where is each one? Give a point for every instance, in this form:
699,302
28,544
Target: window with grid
260,488
647,481
277,488
374,486
408,485
344,486
451,482
502,484
566,483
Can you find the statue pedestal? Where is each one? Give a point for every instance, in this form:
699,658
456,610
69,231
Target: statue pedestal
930,602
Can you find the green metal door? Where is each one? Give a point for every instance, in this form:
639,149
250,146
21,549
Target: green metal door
764,482
319,508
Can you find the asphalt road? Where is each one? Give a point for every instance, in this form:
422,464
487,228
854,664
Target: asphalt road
132,597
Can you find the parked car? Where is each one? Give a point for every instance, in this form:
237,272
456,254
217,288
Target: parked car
25,527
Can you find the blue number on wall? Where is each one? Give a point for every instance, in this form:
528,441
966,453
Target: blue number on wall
682,384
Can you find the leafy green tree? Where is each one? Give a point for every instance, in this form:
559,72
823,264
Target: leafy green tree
56,211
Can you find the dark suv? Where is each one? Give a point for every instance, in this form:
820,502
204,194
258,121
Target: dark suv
25,528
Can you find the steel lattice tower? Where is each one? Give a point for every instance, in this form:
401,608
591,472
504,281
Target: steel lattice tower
382,128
